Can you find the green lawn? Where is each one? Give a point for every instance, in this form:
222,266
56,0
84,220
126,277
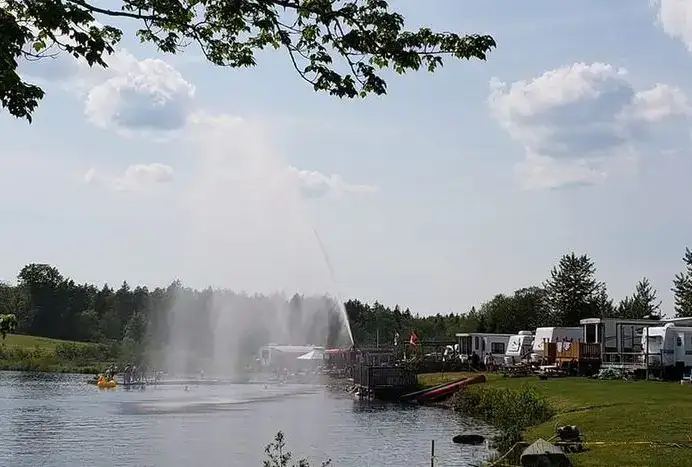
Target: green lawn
611,412
33,342
32,353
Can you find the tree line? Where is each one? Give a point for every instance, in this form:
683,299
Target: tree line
202,324
570,293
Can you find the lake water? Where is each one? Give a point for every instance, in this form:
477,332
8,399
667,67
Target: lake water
59,420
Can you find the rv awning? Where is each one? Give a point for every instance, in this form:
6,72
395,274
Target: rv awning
312,355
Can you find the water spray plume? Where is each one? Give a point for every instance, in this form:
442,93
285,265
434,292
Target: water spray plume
243,226
342,309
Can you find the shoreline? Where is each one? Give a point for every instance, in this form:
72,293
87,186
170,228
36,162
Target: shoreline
633,423
621,420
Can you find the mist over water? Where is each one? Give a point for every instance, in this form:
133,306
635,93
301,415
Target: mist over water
245,232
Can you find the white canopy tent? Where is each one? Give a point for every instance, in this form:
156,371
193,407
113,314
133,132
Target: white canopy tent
312,355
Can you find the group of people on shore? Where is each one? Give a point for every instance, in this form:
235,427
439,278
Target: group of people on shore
488,363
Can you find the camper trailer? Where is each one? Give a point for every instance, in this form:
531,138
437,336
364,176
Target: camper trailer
621,339
667,348
519,347
552,334
482,343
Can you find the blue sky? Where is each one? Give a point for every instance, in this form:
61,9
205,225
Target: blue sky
574,135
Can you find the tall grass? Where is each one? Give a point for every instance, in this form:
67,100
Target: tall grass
512,411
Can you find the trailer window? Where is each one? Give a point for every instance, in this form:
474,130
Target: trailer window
476,346
497,347
678,341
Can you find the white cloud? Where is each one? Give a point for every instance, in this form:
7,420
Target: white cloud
140,178
238,148
315,184
130,95
232,151
675,17
659,103
574,120
150,95
541,172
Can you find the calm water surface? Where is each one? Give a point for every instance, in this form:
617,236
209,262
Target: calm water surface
59,420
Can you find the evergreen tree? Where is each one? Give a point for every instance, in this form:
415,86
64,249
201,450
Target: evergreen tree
601,304
682,287
573,293
643,304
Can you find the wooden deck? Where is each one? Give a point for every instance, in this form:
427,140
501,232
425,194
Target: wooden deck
576,356
576,351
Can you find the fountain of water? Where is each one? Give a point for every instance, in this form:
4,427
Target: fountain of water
342,309
245,228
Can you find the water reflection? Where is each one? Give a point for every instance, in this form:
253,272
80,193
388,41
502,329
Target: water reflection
31,425
60,421
374,406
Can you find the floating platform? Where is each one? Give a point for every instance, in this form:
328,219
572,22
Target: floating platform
179,382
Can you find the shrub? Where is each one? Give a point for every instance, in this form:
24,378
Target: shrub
510,410
278,456
86,352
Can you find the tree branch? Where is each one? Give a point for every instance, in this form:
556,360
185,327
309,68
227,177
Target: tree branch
120,14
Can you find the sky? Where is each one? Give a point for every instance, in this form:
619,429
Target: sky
574,135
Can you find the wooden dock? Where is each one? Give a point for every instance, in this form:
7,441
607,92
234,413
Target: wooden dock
384,382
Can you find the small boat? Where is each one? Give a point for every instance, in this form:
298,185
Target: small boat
442,391
543,454
103,383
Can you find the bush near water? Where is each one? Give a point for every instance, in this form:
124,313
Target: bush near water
510,410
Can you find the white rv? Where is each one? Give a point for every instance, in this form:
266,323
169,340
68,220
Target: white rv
667,346
482,343
519,347
621,339
552,334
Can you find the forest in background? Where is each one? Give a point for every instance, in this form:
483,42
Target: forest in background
133,322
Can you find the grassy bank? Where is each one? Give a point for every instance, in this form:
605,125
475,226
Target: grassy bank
31,353
612,412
